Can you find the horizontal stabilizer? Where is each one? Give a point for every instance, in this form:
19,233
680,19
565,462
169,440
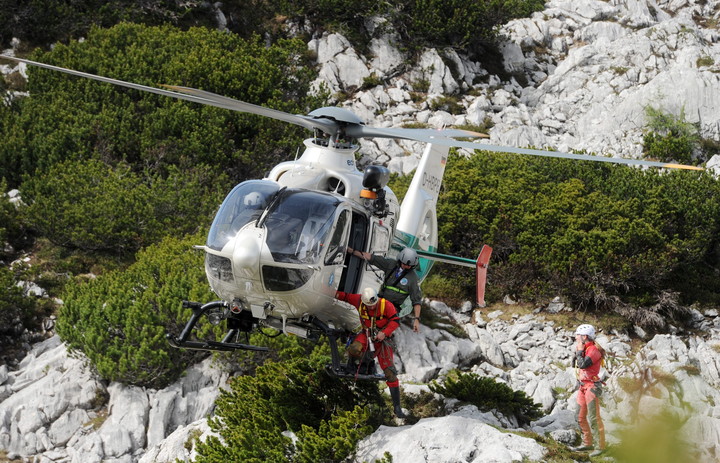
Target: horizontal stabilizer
480,265
446,258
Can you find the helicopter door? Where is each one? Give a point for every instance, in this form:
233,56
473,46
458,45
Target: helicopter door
352,275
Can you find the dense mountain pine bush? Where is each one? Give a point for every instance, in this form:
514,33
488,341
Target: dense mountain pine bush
70,118
600,234
328,415
119,320
488,394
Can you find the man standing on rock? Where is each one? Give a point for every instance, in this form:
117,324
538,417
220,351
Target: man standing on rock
587,362
400,280
379,320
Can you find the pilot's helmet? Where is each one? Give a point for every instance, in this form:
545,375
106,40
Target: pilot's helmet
254,200
408,256
369,297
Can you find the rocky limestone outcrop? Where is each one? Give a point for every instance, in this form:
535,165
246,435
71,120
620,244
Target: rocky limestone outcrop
55,410
589,69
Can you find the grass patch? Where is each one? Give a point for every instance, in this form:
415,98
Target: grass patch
705,61
556,452
482,128
449,104
437,321
193,437
692,370
424,405
415,125
99,419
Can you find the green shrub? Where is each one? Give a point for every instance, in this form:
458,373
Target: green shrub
589,231
371,81
335,439
671,138
327,414
91,206
72,118
439,287
488,394
120,319
17,312
457,23
43,22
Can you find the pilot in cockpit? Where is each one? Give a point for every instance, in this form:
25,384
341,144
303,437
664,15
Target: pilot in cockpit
253,206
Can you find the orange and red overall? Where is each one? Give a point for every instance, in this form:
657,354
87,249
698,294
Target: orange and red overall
383,317
588,363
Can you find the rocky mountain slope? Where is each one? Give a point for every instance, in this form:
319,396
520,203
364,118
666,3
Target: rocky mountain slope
49,410
584,71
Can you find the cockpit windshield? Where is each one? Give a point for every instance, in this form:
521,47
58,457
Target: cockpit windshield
299,224
245,203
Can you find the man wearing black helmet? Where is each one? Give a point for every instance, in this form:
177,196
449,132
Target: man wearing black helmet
400,280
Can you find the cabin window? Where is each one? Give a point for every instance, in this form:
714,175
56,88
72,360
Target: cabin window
336,250
380,240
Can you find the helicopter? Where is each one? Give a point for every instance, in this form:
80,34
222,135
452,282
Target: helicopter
275,254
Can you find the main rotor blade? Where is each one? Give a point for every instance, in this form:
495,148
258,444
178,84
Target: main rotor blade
363,131
198,96
326,125
439,138
563,155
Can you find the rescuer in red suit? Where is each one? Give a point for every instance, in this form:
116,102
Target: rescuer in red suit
379,319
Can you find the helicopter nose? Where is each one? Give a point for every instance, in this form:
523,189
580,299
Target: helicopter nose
247,251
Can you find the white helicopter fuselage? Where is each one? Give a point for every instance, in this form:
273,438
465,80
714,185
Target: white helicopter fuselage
287,261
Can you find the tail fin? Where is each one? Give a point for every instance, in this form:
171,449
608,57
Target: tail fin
417,225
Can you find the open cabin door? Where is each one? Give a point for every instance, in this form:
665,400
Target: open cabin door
352,275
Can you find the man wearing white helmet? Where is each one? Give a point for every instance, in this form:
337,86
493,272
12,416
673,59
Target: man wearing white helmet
588,361
379,319
400,280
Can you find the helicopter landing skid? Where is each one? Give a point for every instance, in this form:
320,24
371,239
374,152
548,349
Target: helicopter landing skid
342,372
335,368
182,342
211,345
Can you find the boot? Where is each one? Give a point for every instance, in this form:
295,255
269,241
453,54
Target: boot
395,395
351,366
367,366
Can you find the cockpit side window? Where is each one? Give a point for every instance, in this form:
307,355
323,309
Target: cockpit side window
244,204
336,251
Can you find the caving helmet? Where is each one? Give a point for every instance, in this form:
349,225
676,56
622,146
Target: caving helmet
408,256
587,330
369,297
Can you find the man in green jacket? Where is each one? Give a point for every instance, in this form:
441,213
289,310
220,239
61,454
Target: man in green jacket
400,280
